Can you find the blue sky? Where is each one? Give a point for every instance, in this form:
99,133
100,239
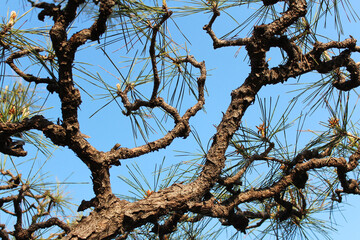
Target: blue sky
227,69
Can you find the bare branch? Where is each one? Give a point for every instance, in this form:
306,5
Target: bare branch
48,223
156,29
218,43
27,77
181,128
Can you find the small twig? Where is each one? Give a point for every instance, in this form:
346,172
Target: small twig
27,77
156,29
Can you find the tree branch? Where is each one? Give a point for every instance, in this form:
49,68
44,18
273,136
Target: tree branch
181,128
155,31
28,77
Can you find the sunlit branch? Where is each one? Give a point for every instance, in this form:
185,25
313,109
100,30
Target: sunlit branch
296,9
55,132
13,182
210,208
181,128
48,223
22,206
203,196
96,30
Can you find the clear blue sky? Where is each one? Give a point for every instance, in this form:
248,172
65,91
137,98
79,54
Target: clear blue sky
227,70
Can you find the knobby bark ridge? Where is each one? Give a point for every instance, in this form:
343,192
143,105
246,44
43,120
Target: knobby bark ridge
113,217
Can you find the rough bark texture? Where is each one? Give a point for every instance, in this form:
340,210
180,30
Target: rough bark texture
113,217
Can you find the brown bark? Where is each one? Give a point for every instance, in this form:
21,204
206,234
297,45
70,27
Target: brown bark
112,216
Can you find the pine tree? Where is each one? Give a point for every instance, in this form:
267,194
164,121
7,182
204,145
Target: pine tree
267,175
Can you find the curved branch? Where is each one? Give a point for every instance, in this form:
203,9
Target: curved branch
157,102
181,128
28,77
218,43
97,28
229,181
156,29
296,9
48,223
118,217
55,132
300,64
13,182
221,211
20,209
112,157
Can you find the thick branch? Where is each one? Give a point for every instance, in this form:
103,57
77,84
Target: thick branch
115,217
55,132
297,9
96,30
221,211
